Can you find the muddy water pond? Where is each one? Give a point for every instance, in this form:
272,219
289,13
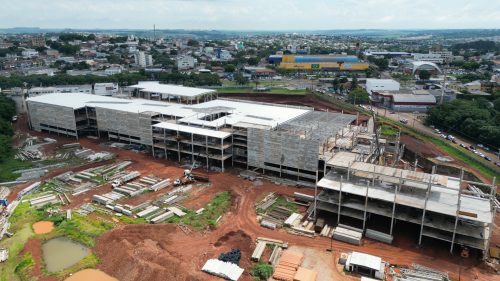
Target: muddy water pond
61,253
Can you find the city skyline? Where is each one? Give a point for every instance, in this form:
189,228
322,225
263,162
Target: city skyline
258,15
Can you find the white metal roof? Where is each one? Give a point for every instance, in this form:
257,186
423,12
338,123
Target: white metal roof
168,89
364,260
194,130
238,112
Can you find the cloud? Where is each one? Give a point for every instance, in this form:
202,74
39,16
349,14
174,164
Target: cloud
251,15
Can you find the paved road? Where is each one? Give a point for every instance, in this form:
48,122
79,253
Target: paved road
415,122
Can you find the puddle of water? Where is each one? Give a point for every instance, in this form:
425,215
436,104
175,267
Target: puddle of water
90,274
61,253
43,227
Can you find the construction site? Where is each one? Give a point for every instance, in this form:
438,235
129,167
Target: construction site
195,187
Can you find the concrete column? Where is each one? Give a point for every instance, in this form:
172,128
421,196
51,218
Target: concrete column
315,196
222,146
429,186
192,149
396,190
366,205
340,200
458,210
206,150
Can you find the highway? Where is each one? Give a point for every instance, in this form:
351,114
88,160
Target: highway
415,121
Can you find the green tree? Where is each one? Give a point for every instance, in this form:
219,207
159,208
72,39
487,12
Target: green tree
358,96
424,74
229,68
193,43
354,83
240,79
262,271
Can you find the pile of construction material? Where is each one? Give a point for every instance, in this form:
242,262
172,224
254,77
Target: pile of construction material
293,220
419,272
232,256
288,266
107,198
348,234
267,202
44,199
226,270
28,155
327,231
305,229
259,250
304,199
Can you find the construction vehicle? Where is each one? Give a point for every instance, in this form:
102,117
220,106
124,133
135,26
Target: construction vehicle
126,178
190,176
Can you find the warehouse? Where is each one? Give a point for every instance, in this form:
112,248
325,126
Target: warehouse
329,63
409,101
282,140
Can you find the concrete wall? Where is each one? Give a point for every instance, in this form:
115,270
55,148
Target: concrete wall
127,123
281,149
63,117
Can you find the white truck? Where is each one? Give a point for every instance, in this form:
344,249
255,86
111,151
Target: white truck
126,178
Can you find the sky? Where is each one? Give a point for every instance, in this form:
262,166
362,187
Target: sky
251,14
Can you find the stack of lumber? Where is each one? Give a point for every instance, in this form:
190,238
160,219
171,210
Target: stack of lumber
288,266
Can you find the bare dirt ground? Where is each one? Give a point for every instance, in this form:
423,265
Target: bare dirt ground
300,100
43,227
156,252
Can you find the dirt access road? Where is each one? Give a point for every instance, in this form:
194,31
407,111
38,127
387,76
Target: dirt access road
143,250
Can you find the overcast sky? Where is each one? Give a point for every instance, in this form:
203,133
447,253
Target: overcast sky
251,14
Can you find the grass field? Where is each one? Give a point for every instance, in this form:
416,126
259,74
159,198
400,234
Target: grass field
80,229
8,166
213,210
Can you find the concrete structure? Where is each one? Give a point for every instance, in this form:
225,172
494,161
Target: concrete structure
185,62
106,89
473,86
370,196
285,141
431,57
404,101
142,59
377,85
153,90
415,66
29,53
35,91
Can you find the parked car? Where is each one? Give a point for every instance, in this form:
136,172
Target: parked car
487,158
462,145
480,145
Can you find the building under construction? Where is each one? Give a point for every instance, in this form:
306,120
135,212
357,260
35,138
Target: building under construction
286,141
374,199
356,172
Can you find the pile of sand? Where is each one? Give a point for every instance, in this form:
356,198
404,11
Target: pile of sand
90,274
43,227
